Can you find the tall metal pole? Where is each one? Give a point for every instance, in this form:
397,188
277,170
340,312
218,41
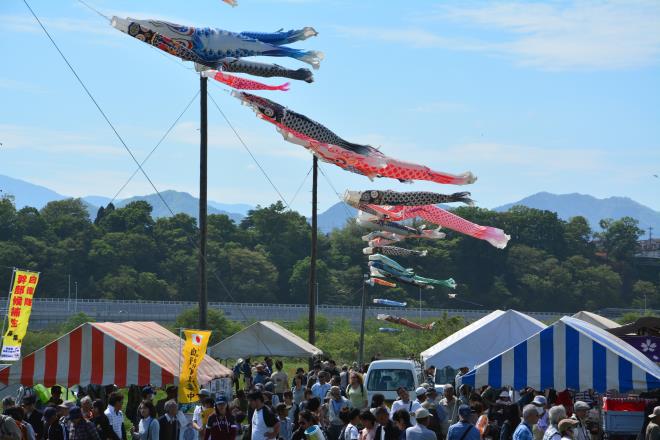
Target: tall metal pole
312,262
203,167
362,321
420,303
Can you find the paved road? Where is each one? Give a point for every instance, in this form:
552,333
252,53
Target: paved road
48,311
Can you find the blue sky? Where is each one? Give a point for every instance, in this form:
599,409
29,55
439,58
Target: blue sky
540,96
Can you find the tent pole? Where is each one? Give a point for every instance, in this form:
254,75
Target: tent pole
312,262
203,186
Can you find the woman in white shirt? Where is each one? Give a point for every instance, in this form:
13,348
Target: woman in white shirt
148,428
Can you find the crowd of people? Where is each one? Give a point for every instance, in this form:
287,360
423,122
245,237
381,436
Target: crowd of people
326,403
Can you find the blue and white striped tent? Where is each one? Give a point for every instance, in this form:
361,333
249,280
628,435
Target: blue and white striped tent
569,354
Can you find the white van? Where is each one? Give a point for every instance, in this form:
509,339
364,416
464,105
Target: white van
386,376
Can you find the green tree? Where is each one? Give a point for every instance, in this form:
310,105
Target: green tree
220,326
620,238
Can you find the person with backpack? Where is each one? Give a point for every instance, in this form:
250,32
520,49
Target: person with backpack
356,392
17,413
9,430
148,427
463,429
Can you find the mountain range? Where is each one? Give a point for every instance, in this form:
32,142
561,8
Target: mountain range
565,205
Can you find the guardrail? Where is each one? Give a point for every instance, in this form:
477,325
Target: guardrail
49,311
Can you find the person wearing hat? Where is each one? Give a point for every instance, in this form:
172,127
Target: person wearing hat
420,393
421,431
332,408
653,428
580,411
55,396
53,430
542,425
524,431
566,428
463,429
79,428
404,402
221,425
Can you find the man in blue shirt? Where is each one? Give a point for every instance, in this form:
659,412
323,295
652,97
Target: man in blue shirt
463,430
321,388
530,417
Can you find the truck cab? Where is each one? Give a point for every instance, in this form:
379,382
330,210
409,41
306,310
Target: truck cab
386,376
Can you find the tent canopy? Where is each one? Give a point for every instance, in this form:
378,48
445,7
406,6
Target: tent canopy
594,319
263,338
646,325
571,354
482,340
103,353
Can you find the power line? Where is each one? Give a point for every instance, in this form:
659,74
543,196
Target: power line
300,186
156,146
93,9
126,147
341,200
240,139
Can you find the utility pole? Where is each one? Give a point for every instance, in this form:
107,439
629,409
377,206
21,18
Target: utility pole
68,302
312,261
75,306
203,186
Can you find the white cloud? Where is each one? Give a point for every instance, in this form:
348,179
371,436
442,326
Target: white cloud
38,139
576,35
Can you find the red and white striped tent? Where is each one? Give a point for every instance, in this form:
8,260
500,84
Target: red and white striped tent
103,353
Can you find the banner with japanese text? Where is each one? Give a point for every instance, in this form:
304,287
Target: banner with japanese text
194,350
19,308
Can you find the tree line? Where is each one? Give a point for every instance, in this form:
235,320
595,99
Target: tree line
124,253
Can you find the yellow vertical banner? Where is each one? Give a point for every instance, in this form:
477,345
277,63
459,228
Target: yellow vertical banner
19,308
194,350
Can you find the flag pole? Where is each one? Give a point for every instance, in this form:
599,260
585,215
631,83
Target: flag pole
203,186
11,284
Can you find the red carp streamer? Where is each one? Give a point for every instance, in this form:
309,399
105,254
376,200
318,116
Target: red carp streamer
241,83
373,281
404,321
446,219
329,147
